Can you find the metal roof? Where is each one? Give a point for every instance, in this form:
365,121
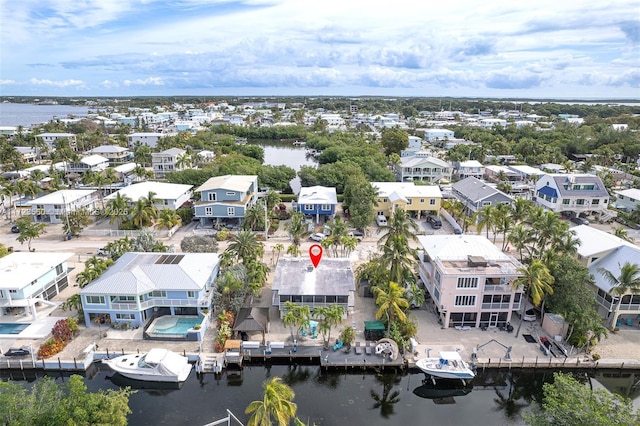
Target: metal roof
297,276
163,191
230,182
317,195
613,262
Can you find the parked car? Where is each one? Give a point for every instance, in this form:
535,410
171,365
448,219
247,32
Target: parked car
530,315
579,220
102,252
359,235
15,229
381,220
435,221
318,237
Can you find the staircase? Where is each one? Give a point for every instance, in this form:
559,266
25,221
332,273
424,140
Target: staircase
210,363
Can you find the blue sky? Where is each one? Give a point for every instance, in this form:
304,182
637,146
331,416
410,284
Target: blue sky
497,48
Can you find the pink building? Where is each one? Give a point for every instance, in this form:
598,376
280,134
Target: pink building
469,280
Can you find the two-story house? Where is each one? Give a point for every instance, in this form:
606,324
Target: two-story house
475,194
627,199
169,160
51,207
317,201
225,198
114,153
167,195
140,284
92,163
469,280
297,281
29,279
469,168
419,168
572,194
421,200
51,138
150,139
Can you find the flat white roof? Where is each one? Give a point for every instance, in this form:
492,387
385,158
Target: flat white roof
594,241
64,196
407,189
164,191
231,182
94,159
460,247
20,268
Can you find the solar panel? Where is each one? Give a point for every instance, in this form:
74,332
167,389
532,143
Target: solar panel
169,259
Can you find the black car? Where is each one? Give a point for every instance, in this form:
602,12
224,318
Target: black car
579,220
15,229
435,222
21,351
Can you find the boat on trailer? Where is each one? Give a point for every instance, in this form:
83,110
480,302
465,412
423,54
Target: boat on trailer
157,365
448,366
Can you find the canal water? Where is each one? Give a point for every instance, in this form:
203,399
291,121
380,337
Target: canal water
278,153
29,114
495,398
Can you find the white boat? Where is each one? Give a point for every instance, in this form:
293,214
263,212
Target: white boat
448,366
157,365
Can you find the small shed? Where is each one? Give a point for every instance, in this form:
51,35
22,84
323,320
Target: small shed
374,330
554,325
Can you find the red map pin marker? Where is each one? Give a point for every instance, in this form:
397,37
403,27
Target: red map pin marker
315,253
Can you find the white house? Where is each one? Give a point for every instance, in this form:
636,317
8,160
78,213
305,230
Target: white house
145,138
627,199
114,153
469,168
167,161
427,169
50,208
51,138
488,123
435,135
572,193
28,279
414,142
29,154
169,195
93,163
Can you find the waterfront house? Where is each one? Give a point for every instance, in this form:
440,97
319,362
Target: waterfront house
420,168
114,153
420,200
469,280
92,163
595,244
317,201
572,194
168,195
51,207
31,279
225,198
475,194
297,281
169,160
139,284
51,138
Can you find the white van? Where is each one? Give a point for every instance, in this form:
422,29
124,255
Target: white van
381,220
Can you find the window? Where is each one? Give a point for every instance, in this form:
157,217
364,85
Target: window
421,200
159,293
580,202
325,207
123,299
590,187
231,211
308,206
565,201
95,300
125,316
384,200
409,201
467,282
576,187
208,211
437,277
595,202
469,300
436,294
343,300
432,202
231,193
486,203
211,196
59,269
191,294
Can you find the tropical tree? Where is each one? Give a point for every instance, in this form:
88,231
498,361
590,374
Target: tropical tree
168,218
29,230
297,228
486,218
143,213
626,281
199,244
277,403
117,209
397,255
245,246
621,232
391,303
254,219
536,281
330,316
75,221
276,250
297,316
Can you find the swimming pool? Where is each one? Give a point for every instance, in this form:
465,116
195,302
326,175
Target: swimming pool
12,328
174,325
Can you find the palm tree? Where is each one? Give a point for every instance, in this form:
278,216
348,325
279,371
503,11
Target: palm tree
621,232
391,303
486,219
117,209
331,316
168,218
277,403
293,250
245,246
276,249
627,281
337,230
142,214
536,281
29,229
141,173
297,228
521,237
397,256
254,218
99,180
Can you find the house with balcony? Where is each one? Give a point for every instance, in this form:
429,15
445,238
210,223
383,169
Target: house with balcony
114,153
627,199
150,139
469,280
424,169
433,136
572,194
139,284
475,194
617,309
91,163
51,207
317,201
29,280
225,198
29,154
167,161
297,281
420,200
167,195
465,169
51,138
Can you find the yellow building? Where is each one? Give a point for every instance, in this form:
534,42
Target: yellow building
421,199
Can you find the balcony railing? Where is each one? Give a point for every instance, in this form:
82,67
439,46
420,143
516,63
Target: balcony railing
630,307
497,288
496,306
604,302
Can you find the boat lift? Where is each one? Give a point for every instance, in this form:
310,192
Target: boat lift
507,355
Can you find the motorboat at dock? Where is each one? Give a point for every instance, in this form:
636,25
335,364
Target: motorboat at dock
157,365
448,366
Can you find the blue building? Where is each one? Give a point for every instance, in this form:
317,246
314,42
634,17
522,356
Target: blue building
318,201
225,199
139,285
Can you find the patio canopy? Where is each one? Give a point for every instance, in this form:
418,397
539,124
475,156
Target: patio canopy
252,319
